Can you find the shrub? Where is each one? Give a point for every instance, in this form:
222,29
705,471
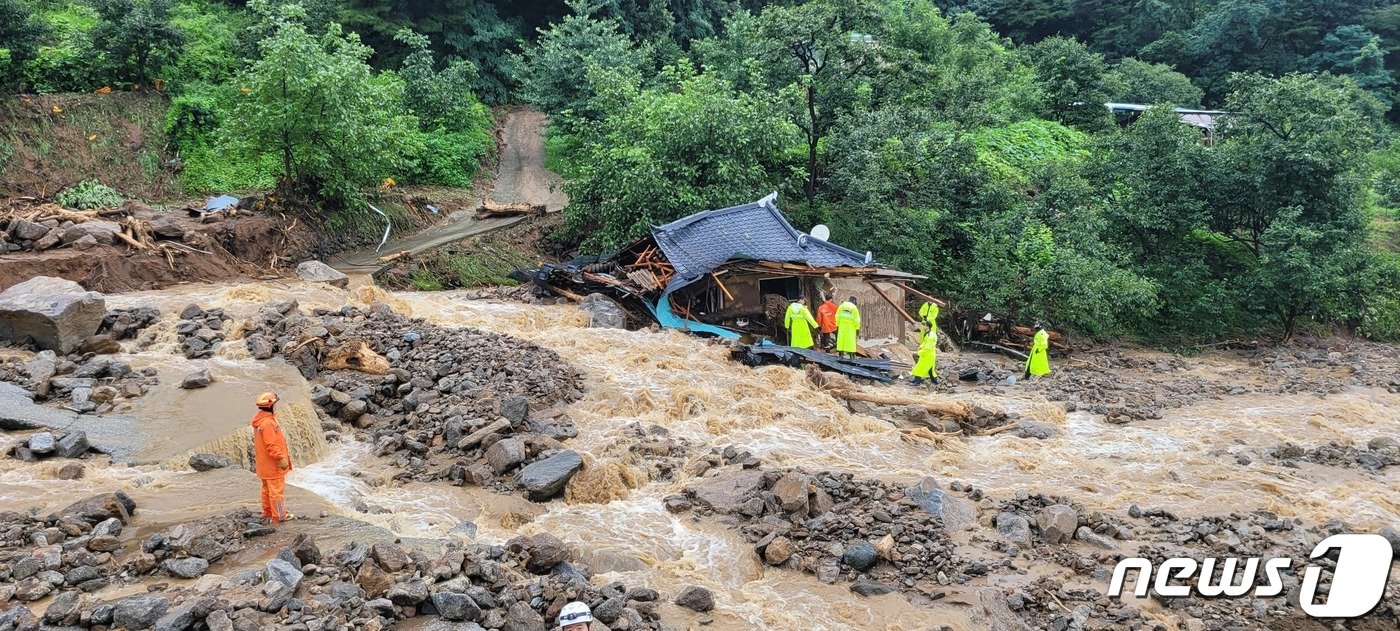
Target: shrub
87,195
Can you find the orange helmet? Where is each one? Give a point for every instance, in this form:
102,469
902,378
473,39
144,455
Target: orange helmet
267,399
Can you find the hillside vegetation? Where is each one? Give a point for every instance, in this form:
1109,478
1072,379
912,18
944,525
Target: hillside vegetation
966,141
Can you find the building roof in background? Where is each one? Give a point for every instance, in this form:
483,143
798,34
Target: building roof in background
1205,119
698,244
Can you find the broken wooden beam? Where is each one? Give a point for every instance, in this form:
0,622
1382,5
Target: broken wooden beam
892,303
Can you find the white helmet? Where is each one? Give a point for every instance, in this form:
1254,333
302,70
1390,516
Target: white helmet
574,613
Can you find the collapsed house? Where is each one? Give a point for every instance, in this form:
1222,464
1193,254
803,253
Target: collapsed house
732,272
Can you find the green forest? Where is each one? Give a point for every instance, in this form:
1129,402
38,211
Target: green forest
967,141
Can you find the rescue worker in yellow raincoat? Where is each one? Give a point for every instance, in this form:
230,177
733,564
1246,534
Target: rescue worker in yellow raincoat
927,365
1039,362
799,324
847,327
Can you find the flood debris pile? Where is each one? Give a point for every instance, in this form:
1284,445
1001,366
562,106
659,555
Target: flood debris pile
1378,454
200,332
1031,520
84,383
882,537
1327,369
74,549
464,405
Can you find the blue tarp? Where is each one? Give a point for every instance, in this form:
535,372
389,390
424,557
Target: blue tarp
219,203
664,317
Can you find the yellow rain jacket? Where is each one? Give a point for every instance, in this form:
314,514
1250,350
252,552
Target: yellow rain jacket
928,314
847,326
799,324
1039,362
927,365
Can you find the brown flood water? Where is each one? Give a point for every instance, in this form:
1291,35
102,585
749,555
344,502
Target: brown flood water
1182,462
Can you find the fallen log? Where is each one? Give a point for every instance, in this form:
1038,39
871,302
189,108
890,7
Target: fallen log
397,256
842,388
489,208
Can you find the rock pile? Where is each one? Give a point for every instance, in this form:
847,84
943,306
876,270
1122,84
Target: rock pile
1378,454
464,405
95,384
200,332
44,445
518,587
72,549
53,233
837,527
1036,518
126,324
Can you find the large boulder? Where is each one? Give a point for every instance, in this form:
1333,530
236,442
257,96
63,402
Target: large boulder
24,230
604,312
1014,527
726,492
546,478
318,272
931,498
1057,523
99,508
101,231
139,612
791,490
53,313
696,598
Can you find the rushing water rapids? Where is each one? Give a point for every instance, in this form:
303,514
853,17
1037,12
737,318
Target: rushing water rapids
1182,462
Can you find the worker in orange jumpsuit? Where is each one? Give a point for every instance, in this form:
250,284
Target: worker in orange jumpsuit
826,322
272,459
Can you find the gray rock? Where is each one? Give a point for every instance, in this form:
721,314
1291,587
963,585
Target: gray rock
139,612
87,242
208,462
515,409
866,587
955,514
1382,443
42,444
696,598
167,227
726,492
282,578
28,230
1014,527
102,507
1087,535
101,232
196,380
546,478
408,592
53,313
1393,536
456,607
188,567
63,610
505,455
178,619
604,312
74,445
218,620
521,617
860,555
1057,522
390,557
318,272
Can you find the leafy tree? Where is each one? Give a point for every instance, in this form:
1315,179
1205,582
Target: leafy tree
137,36
691,144
20,34
1355,52
1074,79
1136,81
822,49
317,106
554,72
455,125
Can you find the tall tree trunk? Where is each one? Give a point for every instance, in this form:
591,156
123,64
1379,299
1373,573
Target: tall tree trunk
810,188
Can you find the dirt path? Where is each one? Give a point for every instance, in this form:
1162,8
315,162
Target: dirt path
520,177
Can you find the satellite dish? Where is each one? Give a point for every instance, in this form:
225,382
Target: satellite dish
820,231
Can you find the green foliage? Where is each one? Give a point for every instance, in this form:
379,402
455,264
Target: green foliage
1074,79
1355,52
450,158
1134,81
665,153
317,106
87,195
212,48
65,59
136,36
1013,151
20,34
554,73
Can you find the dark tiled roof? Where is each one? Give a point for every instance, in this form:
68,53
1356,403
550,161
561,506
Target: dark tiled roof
701,242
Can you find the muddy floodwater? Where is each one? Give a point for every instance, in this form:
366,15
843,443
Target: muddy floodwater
1184,462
